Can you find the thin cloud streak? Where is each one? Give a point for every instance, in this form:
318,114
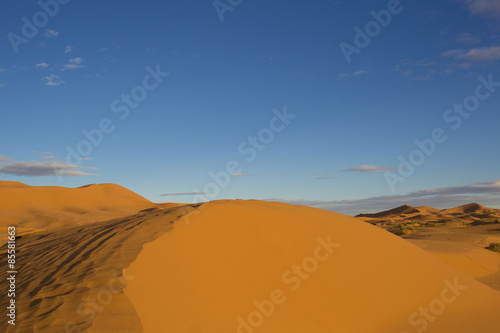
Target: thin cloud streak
182,193
367,169
487,193
38,169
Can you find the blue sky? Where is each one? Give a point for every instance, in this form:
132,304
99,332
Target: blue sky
309,103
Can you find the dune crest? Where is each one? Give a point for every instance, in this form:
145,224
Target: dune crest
40,207
233,258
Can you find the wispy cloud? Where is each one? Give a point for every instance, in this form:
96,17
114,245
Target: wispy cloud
487,193
322,175
2,69
419,70
241,175
486,7
76,60
182,193
68,49
368,169
358,73
481,54
53,80
36,168
51,33
468,39
354,74
74,63
42,65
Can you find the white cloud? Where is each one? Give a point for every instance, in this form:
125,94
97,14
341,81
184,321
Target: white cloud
73,64
468,39
68,49
53,80
42,65
358,73
38,169
354,74
76,60
475,55
51,33
368,169
2,69
487,7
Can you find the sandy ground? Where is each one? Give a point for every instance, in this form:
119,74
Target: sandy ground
240,266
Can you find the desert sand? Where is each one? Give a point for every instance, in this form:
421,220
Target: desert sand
234,266
33,208
457,236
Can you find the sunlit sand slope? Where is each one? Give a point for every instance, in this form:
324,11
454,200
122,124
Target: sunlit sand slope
236,266
239,266
71,279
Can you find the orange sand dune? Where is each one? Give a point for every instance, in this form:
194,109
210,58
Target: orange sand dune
31,208
232,266
472,208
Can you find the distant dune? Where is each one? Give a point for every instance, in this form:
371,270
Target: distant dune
33,208
469,209
473,209
405,209
457,236
231,266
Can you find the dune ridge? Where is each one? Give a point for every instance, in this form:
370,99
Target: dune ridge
71,278
233,254
33,208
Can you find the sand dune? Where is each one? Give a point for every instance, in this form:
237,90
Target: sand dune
472,208
405,209
35,208
458,236
240,266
